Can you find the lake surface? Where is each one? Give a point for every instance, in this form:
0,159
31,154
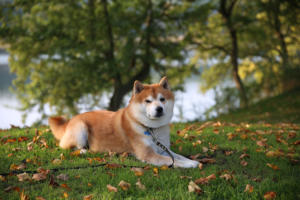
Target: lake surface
189,104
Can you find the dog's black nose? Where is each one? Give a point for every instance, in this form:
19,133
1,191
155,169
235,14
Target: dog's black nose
159,110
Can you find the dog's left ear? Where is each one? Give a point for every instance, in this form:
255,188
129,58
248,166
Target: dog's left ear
138,87
164,83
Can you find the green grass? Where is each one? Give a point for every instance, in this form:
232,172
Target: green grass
281,108
249,128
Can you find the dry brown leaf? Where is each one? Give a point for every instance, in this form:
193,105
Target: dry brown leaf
207,160
164,167
64,185
155,170
63,177
39,176
249,188
275,167
230,136
56,161
244,155
111,188
23,196
200,166
204,149
17,167
244,136
24,177
205,180
42,170
76,152
226,176
261,143
39,198
2,178
228,153
297,142
270,195
140,185
88,197
194,157
90,185
244,163
138,171
124,185
113,166
65,195
22,138
193,187
10,188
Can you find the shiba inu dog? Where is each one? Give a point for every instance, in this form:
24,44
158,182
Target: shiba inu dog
127,130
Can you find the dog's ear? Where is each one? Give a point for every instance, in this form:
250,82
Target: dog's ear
137,87
164,83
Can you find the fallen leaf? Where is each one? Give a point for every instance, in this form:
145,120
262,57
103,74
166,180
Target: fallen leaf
244,136
17,167
124,185
193,187
64,185
194,157
2,178
10,155
155,170
24,177
164,167
138,171
249,188
10,140
90,185
270,195
244,155
76,152
39,198
113,165
140,185
228,153
226,176
88,197
22,138
39,176
10,188
207,160
111,188
56,161
205,180
204,149
261,143
297,142
23,196
244,163
63,177
230,136
275,167
65,195
43,171
200,166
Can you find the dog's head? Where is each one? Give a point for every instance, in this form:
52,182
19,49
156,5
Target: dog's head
152,105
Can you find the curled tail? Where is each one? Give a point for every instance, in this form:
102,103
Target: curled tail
58,126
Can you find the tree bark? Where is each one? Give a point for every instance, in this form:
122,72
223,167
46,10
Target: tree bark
121,89
226,12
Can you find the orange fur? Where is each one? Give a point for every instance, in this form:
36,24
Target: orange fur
121,131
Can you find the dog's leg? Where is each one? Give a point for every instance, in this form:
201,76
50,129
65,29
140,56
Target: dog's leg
188,163
76,136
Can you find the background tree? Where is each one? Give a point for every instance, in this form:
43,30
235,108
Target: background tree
70,52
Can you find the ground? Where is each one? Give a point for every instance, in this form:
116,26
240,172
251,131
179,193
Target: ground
244,155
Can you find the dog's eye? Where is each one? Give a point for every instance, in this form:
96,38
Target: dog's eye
147,101
162,99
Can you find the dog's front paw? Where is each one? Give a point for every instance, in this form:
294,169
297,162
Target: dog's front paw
187,164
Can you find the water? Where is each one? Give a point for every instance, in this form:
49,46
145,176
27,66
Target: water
189,105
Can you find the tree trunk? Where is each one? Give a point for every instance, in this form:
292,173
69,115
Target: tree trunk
121,89
226,12
234,61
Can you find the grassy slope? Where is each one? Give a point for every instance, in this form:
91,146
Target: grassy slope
282,108
278,138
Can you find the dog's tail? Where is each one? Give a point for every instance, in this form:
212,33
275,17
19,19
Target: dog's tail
58,126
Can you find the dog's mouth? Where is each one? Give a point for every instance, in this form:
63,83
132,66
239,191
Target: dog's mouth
156,117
